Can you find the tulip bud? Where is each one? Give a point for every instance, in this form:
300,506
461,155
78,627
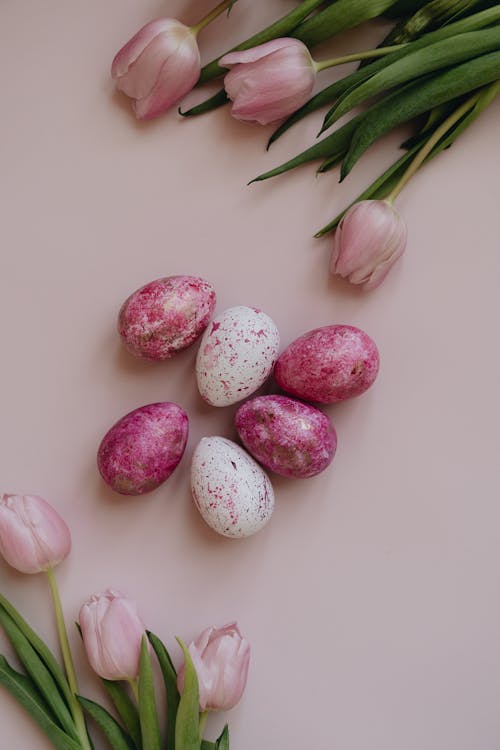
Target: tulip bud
112,633
221,657
158,66
33,537
269,82
369,239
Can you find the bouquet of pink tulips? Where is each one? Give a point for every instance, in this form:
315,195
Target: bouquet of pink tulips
212,677
438,68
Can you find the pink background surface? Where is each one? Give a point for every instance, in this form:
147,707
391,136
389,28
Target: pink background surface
372,598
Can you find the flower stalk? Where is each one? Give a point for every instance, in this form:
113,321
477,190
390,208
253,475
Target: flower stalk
69,666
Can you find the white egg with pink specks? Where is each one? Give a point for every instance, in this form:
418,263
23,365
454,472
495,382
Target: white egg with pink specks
231,491
236,355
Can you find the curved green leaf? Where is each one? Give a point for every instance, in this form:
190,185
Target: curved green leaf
150,728
213,102
42,650
335,145
342,15
187,726
110,728
417,99
38,673
25,692
126,708
223,741
170,680
282,27
437,56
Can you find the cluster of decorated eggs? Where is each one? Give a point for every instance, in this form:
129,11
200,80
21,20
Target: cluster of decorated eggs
238,352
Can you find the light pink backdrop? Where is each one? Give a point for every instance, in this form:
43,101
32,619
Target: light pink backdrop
372,598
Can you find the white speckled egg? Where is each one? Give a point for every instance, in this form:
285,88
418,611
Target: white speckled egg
236,355
231,491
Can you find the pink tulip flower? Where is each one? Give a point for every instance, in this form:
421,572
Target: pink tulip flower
33,537
221,657
369,239
158,66
269,82
112,633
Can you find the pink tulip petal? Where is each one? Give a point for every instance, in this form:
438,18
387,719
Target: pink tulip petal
176,78
144,72
136,46
257,53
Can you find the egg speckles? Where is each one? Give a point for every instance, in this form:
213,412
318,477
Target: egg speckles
231,491
237,353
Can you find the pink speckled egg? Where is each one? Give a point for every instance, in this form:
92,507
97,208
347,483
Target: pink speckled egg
236,355
165,316
231,491
143,448
328,364
287,436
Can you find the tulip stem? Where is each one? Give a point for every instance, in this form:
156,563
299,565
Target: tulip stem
320,65
76,709
220,8
203,721
135,689
431,143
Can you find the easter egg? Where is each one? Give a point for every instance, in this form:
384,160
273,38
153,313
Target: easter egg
328,364
165,316
230,489
236,355
287,436
143,448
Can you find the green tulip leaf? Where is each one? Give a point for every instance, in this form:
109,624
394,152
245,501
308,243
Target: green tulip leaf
150,728
335,145
213,102
418,98
170,680
38,673
435,57
206,745
126,708
187,726
24,690
341,15
223,741
115,735
41,649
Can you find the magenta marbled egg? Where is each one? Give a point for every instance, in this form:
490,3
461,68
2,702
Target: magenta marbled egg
287,436
328,364
143,448
166,316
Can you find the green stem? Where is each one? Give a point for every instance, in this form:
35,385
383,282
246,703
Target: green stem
367,55
220,8
430,143
135,689
76,709
203,721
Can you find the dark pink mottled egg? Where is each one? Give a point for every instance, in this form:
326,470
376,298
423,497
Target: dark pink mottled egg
166,316
287,436
328,364
143,448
